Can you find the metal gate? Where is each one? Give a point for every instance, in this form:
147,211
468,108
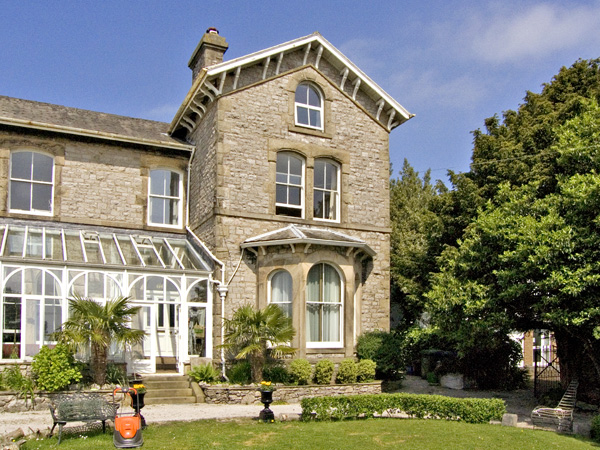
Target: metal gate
546,369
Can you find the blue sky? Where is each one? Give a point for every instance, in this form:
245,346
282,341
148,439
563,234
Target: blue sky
452,63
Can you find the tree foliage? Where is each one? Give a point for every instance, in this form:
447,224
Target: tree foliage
414,227
531,258
95,326
254,333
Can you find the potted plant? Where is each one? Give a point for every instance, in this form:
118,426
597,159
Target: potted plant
266,389
137,398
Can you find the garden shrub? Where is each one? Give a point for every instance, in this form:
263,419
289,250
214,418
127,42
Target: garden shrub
471,410
300,371
55,368
240,373
23,385
386,349
347,372
365,370
595,430
116,375
204,373
276,374
324,371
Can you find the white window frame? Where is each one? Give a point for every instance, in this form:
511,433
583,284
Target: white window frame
178,198
335,193
327,344
288,184
37,212
309,108
270,291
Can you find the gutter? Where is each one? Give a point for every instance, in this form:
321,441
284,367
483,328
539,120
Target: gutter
92,133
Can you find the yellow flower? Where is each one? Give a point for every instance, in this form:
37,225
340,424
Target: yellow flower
265,383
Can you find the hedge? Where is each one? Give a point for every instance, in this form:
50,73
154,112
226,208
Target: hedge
471,410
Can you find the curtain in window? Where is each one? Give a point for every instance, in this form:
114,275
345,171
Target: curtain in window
281,291
323,304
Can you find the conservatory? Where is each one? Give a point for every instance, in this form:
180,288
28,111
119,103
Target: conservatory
168,275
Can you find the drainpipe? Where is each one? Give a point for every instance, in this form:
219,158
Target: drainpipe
187,189
222,290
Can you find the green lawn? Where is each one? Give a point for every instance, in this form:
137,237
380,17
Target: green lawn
347,435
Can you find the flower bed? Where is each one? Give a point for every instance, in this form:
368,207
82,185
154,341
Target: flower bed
236,394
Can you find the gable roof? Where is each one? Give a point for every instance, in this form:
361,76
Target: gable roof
63,119
294,234
210,83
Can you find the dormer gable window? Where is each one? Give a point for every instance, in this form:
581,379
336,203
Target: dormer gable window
308,107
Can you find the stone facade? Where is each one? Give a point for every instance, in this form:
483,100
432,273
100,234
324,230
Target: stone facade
95,183
233,185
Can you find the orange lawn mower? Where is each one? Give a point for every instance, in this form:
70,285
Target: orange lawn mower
128,425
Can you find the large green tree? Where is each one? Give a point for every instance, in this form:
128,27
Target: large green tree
531,258
96,326
414,226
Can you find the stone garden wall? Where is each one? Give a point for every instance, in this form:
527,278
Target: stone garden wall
247,395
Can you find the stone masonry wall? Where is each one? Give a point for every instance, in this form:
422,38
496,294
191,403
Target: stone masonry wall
94,183
255,123
245,395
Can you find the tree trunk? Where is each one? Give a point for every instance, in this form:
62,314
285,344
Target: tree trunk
257,362
99,363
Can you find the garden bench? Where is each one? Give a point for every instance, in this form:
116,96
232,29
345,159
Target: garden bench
560,417
80,407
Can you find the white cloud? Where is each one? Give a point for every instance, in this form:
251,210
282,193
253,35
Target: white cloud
163,113
532,32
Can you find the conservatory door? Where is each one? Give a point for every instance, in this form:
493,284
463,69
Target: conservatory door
196,331
142,358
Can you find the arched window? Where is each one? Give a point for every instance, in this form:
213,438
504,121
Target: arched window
323,306
289,194
165,198
31,182
280,290
309,107
32,296
326,190
95,285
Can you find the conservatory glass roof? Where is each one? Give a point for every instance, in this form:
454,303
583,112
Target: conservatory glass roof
102,247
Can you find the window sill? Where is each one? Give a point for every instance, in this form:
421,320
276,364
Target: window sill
31,213
324,345
164,226
311,131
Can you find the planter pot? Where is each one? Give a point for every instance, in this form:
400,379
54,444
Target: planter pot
137,400
266,415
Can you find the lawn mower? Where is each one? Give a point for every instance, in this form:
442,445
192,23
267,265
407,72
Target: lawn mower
128,425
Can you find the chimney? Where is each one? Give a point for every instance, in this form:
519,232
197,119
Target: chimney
209,51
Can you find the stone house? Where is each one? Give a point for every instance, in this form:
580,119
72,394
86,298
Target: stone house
270,185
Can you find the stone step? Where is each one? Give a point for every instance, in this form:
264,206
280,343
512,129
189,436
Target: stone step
174,377
157,385
169,400
186,392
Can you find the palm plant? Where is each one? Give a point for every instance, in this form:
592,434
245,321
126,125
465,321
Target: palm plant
97,326
254,333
